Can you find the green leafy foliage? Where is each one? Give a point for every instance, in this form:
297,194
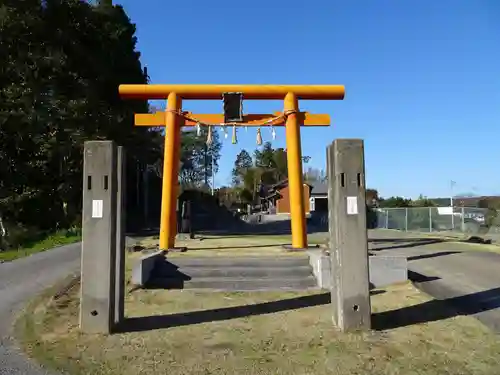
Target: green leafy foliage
61,62
492,217
198,161
268,166
242,164
393,202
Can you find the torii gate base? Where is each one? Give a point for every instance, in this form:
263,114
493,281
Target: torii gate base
175,118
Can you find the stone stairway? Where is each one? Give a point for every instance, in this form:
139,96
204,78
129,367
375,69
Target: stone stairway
235,273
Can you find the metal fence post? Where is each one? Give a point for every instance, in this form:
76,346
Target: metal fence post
463,219
430,219
387,218
406,219
452,218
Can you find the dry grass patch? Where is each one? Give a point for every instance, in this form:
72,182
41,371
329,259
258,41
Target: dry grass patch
240,333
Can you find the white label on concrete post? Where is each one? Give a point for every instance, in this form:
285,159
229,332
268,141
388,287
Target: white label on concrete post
97,209
352,205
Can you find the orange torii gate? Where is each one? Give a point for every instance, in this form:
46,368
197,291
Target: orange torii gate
174,118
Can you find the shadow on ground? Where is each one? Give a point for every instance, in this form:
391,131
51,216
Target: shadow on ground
430,311
436,310
149,323
419,278
432,255
399,243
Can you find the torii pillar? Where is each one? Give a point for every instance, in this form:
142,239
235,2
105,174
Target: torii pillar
173,120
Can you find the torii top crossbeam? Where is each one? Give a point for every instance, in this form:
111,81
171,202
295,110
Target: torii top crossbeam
174,118
206,92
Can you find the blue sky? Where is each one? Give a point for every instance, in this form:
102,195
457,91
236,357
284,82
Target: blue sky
422,78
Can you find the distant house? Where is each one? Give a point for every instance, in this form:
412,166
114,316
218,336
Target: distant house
318,197
277,199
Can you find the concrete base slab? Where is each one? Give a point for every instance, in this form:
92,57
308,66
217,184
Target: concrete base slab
290,248
237,283
384,270
387,270
142,270
186,236
148,251
234,273
178,249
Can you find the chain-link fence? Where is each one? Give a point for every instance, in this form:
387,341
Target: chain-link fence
470,220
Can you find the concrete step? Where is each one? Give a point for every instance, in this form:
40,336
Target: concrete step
236,284
246,272
241,262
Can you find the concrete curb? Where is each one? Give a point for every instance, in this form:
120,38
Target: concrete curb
143,269
384,270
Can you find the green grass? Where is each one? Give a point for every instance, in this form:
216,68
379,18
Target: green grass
56,239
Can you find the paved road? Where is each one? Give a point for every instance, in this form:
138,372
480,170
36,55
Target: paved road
21,280
459,273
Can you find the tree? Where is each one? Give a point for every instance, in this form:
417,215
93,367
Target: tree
372,197
280,164
492,206
264,162
272,162
264,158
197,158
394,202
269,166
422,201
251,181
314,175
242,163
62,62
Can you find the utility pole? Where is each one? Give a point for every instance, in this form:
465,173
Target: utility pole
452,184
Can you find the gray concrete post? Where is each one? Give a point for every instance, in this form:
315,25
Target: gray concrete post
120,236
332,228
98,277
348,235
